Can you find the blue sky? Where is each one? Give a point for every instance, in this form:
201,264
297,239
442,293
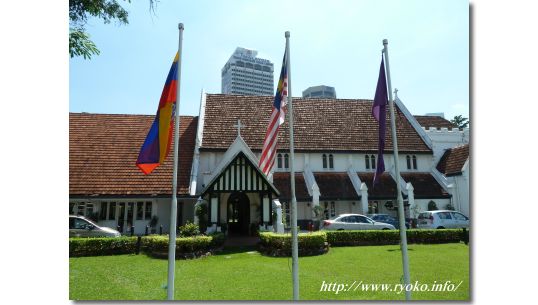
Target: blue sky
335,43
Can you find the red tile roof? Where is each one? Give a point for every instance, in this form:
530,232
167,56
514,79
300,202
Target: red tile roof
335,186
320,124
453,160
425,186
428,121
103,149
385,189
282,182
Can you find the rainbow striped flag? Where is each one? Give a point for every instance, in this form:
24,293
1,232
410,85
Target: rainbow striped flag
158,141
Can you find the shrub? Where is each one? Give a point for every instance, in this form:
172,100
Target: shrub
186,247
274,244
391,237
96,246
217,240
201,213
155,245
189,229
434,236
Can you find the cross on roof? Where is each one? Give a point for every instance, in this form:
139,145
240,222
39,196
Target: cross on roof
238,126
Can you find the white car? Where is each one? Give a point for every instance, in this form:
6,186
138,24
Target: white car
354,222
442,219
80,226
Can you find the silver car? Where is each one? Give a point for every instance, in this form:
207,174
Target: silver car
354,222
442,219
80,226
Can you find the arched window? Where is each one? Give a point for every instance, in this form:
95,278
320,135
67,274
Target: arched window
286,161
372,158
331,162
279,160
367,161
414,162
324,157
408,162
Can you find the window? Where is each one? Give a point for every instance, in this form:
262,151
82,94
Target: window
79,224
84,209
414,162
331,162
372,158
408,162
361,219
333,209
459,216
286,161
147,214
279,160
102,211
112,211
367,161
347,219
373,207
324,157
444,215
139,210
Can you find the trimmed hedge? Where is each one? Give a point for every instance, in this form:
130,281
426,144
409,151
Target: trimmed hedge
186,247
391,237
274,244
96,246
154,245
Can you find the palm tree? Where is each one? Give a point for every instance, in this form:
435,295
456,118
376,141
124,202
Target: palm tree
460,121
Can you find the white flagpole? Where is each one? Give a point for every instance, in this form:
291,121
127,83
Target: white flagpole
294,237
173,206
401,212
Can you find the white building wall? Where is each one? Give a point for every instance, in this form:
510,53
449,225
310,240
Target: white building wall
445,138
460,194
160,208
341,161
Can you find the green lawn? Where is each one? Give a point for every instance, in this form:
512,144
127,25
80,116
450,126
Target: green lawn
247,275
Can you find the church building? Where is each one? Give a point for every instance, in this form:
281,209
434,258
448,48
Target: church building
335,157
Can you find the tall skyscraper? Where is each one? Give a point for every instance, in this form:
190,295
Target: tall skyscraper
319,92
246,74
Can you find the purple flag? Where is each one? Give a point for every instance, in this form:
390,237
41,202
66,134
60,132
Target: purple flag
379,110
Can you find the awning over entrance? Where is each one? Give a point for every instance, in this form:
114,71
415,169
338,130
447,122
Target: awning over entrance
240,175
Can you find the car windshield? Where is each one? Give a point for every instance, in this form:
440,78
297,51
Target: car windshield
424,215
89,221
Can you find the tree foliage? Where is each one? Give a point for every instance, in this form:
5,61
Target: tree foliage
460,121
79,12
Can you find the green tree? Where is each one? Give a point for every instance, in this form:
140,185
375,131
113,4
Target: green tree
79,12
460,121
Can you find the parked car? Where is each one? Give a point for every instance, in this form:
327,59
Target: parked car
354,222
80,226
442,219
386,218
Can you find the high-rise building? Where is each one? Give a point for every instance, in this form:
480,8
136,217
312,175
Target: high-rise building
246,74
319,92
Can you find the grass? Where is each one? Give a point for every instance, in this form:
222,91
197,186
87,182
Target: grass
243,274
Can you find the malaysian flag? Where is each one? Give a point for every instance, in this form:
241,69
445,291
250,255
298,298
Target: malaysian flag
278,115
